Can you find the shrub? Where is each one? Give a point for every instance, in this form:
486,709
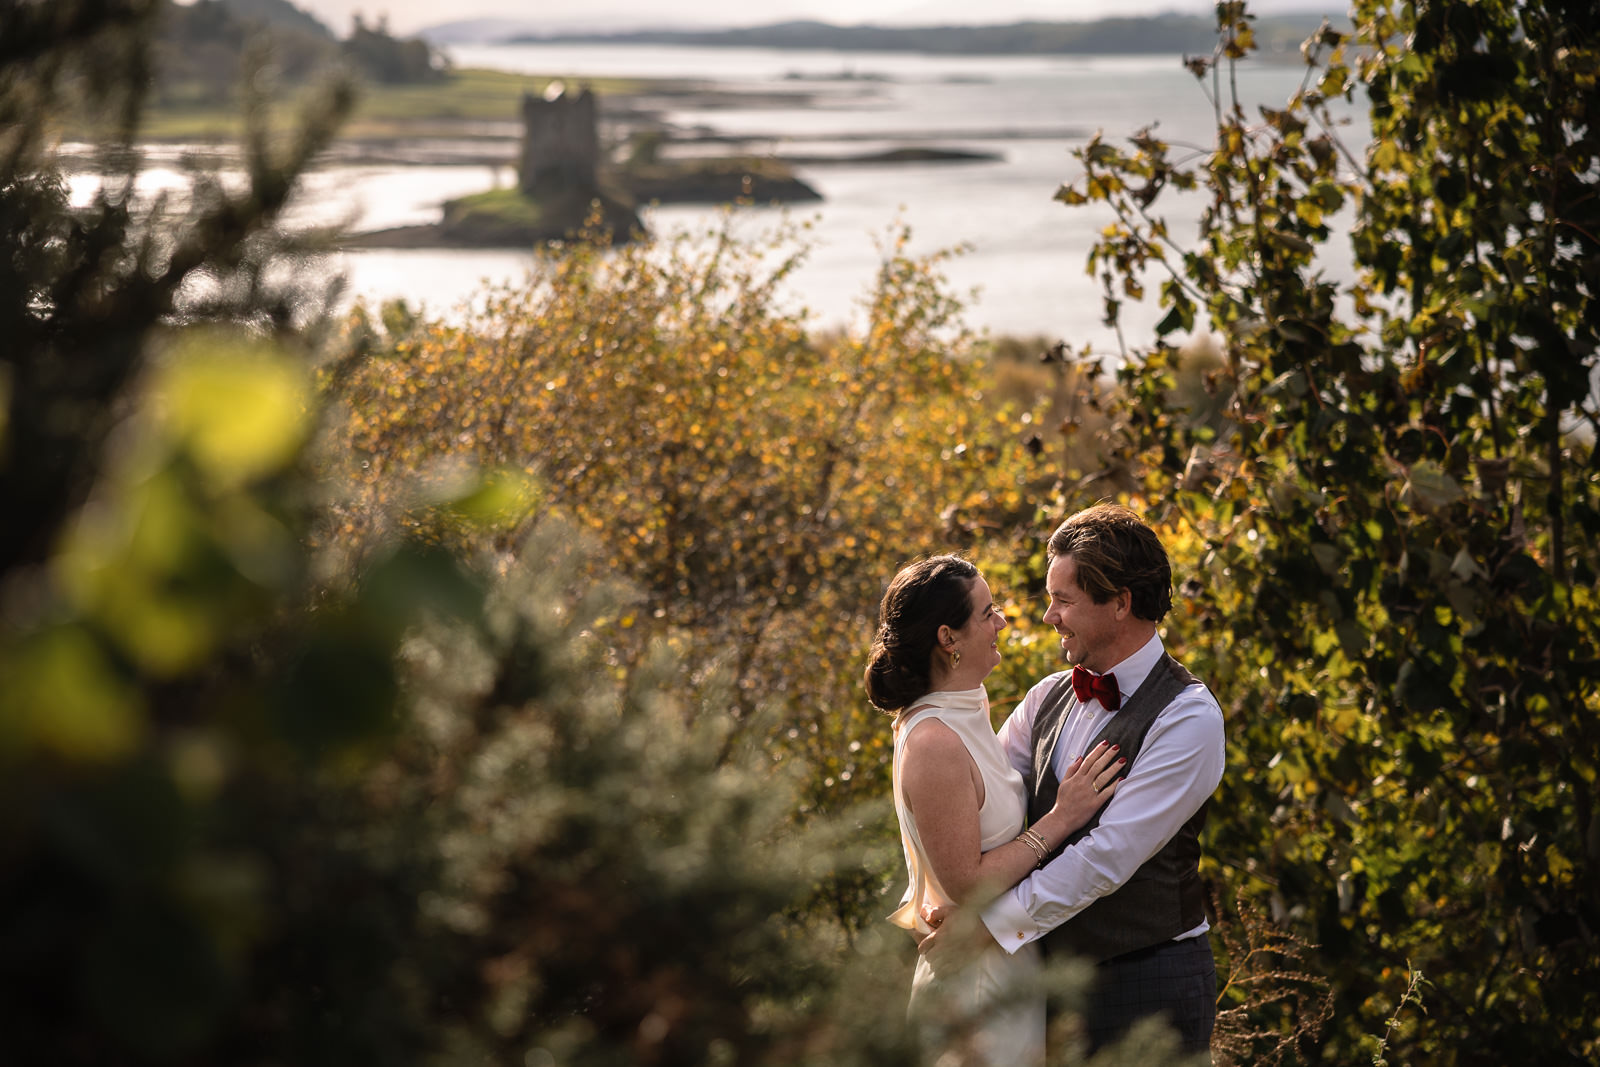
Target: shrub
758,483
1390,541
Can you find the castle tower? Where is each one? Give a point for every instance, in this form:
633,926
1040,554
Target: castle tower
560,142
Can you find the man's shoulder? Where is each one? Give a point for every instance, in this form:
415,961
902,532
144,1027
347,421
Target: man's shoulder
1028,707
1051,693
1192,681
1050,681
1196,702
1045,686
1195,694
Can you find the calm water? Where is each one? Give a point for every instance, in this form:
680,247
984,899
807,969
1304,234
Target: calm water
1024,252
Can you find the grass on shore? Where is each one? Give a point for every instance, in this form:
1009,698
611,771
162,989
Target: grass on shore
382,111
507,207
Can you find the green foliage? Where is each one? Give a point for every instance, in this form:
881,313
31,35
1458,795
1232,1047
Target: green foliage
86,289
757,483
1411,997
258,811
202,111
617,874
279,14
502,205
239,833
270,804
492,692
201,47
384,58
1391,540
510,218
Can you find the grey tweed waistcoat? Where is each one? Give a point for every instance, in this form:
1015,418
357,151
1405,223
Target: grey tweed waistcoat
1164,897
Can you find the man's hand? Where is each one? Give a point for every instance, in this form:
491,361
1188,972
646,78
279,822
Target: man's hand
957,938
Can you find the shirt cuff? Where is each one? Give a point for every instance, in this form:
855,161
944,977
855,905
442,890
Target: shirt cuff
1009,922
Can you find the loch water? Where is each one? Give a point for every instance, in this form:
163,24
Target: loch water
1021,266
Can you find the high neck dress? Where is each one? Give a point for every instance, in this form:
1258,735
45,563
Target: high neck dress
991,1006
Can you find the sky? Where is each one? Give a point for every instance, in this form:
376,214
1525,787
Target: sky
410,16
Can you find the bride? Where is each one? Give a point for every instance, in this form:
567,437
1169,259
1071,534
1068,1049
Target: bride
961,805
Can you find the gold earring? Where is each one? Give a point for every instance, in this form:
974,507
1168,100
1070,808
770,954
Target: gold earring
955,659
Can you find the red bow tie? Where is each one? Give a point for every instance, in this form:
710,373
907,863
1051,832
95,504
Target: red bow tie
1087,686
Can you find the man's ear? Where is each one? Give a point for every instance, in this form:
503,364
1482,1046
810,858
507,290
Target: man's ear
1124,602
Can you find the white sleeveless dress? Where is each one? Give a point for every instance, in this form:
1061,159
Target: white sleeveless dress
993,989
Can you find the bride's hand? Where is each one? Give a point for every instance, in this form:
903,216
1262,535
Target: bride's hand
1090,782
956,940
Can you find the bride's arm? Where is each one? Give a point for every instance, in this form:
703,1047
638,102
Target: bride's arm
941,786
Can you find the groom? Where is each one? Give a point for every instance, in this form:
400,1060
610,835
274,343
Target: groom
1124,890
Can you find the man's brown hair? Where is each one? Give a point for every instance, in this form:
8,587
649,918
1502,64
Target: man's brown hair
1113,550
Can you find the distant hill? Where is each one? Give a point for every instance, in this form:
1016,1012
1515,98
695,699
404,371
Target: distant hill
476,31
961,12
493,30
279,14
1156,34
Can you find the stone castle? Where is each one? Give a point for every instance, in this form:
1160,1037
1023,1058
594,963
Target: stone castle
560,142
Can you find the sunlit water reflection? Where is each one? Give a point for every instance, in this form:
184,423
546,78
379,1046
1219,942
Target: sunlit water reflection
1024,253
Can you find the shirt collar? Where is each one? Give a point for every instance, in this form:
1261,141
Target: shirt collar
1132,671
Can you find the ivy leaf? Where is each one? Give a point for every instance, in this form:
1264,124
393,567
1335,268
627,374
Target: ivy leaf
1416,689
1179,317
1292,382
1292,241
1328,557
1465,567
1295,329
1429,488
1352,638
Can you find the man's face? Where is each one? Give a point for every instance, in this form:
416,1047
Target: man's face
1089,632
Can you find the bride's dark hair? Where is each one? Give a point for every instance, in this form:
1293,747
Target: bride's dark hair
924,596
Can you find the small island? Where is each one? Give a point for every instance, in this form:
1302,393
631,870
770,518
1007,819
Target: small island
566,189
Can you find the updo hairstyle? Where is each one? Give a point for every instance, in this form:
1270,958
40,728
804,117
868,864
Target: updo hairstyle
924,596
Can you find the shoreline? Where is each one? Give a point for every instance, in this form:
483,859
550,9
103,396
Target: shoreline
466,149
713,180
687,165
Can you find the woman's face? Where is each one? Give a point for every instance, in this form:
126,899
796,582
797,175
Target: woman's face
979,640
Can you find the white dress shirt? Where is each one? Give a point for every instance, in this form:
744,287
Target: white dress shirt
1177,769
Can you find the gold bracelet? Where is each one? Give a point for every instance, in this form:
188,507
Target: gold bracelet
1044,847
1037,843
